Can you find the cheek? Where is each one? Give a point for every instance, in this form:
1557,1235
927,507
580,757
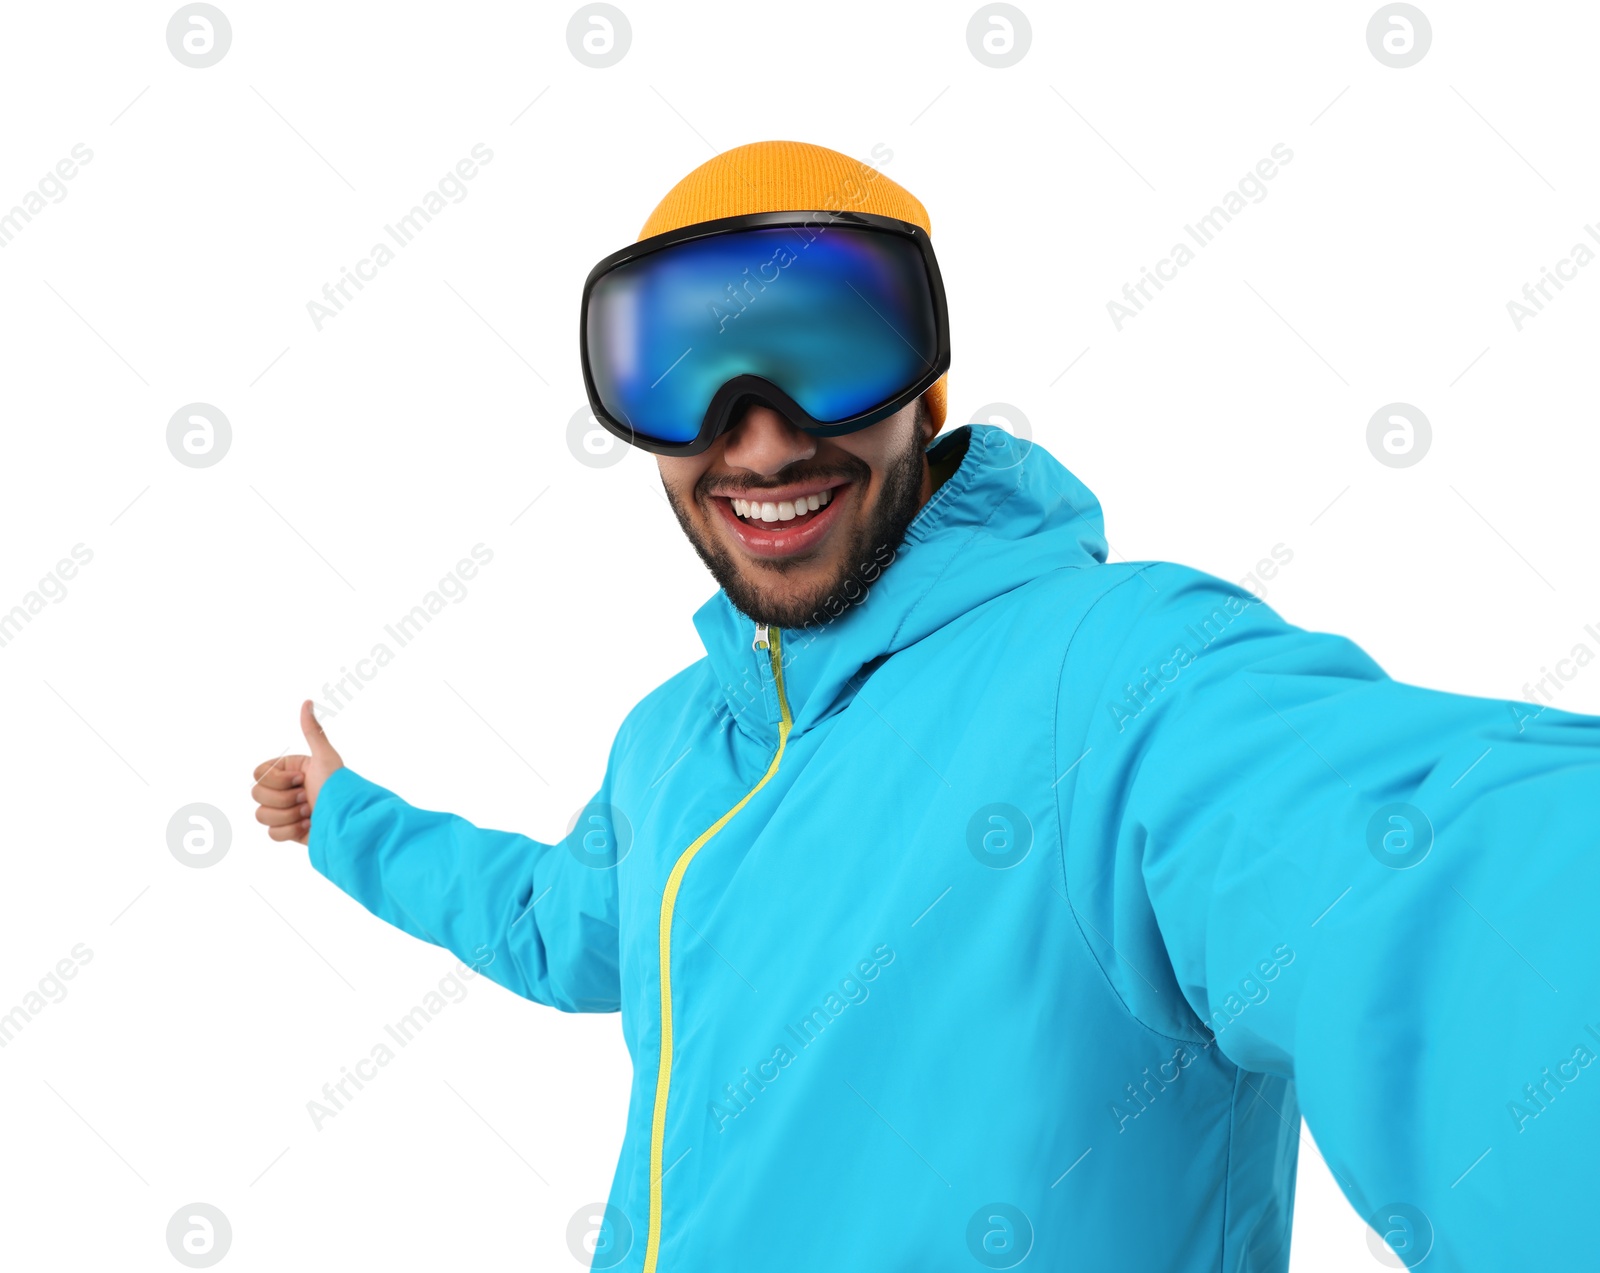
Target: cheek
880,446
872,456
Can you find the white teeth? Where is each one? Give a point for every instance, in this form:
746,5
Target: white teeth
781,511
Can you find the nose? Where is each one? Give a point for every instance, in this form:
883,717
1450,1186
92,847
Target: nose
763,442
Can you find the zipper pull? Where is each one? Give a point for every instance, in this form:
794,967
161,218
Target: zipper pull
762,640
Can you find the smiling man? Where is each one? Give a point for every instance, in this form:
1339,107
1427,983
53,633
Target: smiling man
975,899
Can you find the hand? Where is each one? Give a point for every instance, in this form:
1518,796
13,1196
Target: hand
286,788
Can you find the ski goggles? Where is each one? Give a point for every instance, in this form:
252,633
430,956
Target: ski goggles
834,319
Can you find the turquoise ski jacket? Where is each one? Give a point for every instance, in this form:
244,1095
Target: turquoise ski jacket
1017,914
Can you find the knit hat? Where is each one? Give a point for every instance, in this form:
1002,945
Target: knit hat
789,176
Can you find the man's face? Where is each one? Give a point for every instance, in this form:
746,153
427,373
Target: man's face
746,504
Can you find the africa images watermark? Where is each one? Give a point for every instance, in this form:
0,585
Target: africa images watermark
1252,186
854,591
51,990
738,1096
1136,696
452,988
743,293
52,587
1536,295
1541,694
1537,1097
453,185
52,186
339,694
1252,990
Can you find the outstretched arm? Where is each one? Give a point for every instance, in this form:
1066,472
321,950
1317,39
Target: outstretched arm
1429,861
540,919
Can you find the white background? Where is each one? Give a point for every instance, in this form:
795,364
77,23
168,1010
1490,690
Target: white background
370,456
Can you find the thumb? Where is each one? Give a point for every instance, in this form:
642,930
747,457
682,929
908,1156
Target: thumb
311,727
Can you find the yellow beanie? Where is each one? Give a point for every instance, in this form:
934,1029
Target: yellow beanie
789,176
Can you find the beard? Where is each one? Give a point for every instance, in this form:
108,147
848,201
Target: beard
758,592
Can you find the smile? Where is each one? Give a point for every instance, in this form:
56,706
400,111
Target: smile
783,511
783,522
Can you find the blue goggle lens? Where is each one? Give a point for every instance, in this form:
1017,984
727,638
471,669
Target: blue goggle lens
841,318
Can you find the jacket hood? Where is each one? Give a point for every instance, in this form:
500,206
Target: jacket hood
1008,514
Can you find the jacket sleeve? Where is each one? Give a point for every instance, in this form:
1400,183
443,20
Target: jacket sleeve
540,919
1388,895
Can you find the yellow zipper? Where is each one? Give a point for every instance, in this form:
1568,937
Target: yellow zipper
669,898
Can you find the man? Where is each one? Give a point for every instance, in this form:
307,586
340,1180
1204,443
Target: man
977,900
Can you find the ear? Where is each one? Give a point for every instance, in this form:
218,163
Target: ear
925,423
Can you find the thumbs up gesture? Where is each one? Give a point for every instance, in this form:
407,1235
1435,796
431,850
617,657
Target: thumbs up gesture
286,788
